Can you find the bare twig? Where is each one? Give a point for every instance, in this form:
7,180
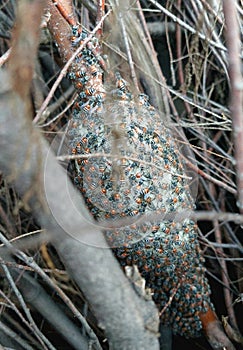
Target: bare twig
128,51
43,340
77,339
186,26
225,278
14,336
232,35
4,58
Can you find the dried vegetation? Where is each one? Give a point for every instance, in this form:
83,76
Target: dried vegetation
191,77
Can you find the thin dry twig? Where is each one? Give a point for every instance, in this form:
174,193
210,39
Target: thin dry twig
225,278
43,340
232,35
35,267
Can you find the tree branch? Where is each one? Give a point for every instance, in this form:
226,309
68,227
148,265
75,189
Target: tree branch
232,35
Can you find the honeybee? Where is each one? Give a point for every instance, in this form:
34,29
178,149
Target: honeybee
80,73
121,83
94,70
90,91
79,85
86,107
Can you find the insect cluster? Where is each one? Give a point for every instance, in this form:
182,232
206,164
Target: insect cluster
129,170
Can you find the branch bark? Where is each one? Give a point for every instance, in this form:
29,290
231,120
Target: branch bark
232,35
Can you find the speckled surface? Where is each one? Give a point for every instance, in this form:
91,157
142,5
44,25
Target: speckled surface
131,166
